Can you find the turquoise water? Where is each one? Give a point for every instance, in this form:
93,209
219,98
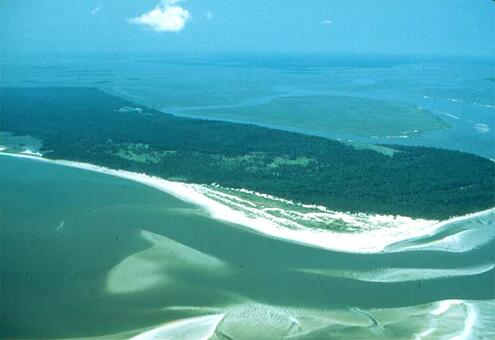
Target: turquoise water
460,92
86,254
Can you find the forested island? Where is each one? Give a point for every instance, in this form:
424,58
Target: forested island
88,125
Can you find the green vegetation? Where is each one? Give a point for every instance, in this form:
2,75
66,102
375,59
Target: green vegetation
292,214
384,150
85,124
141,153
281,161
15,143
336,114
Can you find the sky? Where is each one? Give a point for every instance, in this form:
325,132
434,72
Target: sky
444,27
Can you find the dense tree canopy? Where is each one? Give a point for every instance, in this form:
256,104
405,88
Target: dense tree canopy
85,124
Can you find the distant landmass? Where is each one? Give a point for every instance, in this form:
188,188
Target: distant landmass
338,114
88,125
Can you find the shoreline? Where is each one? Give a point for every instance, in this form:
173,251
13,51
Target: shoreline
373,240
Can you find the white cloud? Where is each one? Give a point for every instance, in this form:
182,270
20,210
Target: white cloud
166,17
96,10
327,22
209,15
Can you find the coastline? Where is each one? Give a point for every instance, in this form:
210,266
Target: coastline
372,240
438,317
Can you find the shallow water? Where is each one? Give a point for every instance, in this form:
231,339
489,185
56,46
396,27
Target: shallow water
87,254
457,91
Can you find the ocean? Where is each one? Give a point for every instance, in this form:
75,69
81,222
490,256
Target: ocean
87,254
458,92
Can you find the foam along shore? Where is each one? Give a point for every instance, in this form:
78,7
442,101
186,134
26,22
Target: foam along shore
32,153
381,232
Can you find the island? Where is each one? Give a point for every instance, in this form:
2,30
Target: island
88,125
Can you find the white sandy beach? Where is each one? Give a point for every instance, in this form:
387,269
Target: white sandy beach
460,317
381,232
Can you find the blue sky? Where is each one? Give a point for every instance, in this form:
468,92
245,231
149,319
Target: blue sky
322,26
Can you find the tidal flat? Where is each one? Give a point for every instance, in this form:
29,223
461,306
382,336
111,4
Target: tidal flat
138,258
